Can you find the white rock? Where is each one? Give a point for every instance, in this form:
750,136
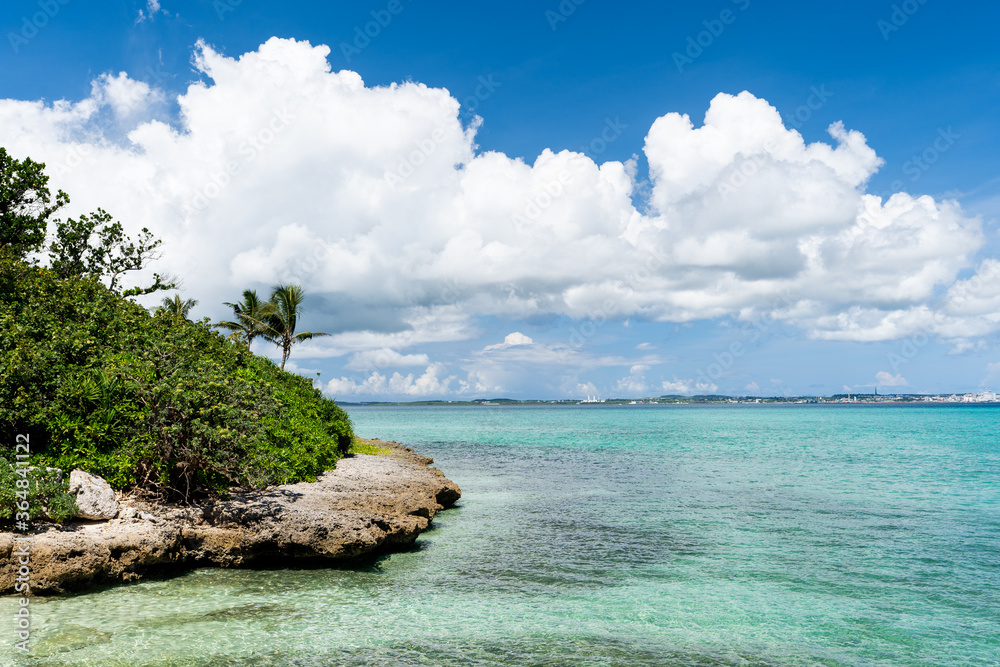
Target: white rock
94,496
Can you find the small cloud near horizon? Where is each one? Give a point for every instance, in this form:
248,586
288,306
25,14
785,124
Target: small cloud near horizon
511,340
884,379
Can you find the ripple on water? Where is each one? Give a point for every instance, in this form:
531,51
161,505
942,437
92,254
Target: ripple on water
721,537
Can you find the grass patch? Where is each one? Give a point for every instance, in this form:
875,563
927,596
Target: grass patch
360,446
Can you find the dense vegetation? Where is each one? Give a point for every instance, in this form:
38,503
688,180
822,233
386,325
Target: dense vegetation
148,401
38,492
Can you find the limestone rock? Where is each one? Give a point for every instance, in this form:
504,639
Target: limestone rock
128,513
367,505
94,496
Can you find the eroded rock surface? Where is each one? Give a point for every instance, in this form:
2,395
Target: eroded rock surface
368,505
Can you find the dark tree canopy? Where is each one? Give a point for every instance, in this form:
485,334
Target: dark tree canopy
97,246
94,245
26,204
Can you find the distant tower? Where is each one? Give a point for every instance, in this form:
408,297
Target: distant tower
876,391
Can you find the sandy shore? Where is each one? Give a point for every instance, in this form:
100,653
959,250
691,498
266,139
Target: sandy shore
367,505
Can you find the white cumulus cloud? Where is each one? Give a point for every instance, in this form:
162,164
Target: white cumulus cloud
886,379
384,358
635,382
511,340
432,382
688,386
277,168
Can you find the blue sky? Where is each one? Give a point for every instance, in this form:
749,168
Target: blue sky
648,268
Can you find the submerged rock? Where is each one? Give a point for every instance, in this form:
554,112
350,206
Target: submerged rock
94,496
247,612
73,638
367,505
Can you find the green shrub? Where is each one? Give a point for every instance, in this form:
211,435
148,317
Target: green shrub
47,497
62,507
154,402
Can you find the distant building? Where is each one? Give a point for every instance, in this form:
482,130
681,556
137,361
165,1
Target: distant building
985,397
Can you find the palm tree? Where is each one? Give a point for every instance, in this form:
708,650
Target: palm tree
251,317
286,302
176,306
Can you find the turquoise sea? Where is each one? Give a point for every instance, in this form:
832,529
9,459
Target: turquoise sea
632,535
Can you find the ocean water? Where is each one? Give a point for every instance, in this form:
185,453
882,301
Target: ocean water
632,535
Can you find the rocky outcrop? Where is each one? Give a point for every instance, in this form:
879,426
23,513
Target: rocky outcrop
368,505
94,496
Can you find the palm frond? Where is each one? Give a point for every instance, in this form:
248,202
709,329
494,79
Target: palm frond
286,307
306,335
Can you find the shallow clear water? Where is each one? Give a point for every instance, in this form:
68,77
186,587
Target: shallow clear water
601,535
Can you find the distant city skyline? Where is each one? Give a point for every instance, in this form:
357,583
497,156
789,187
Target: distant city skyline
987,396
548,200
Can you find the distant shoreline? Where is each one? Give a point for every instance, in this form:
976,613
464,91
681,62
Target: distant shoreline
836,399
